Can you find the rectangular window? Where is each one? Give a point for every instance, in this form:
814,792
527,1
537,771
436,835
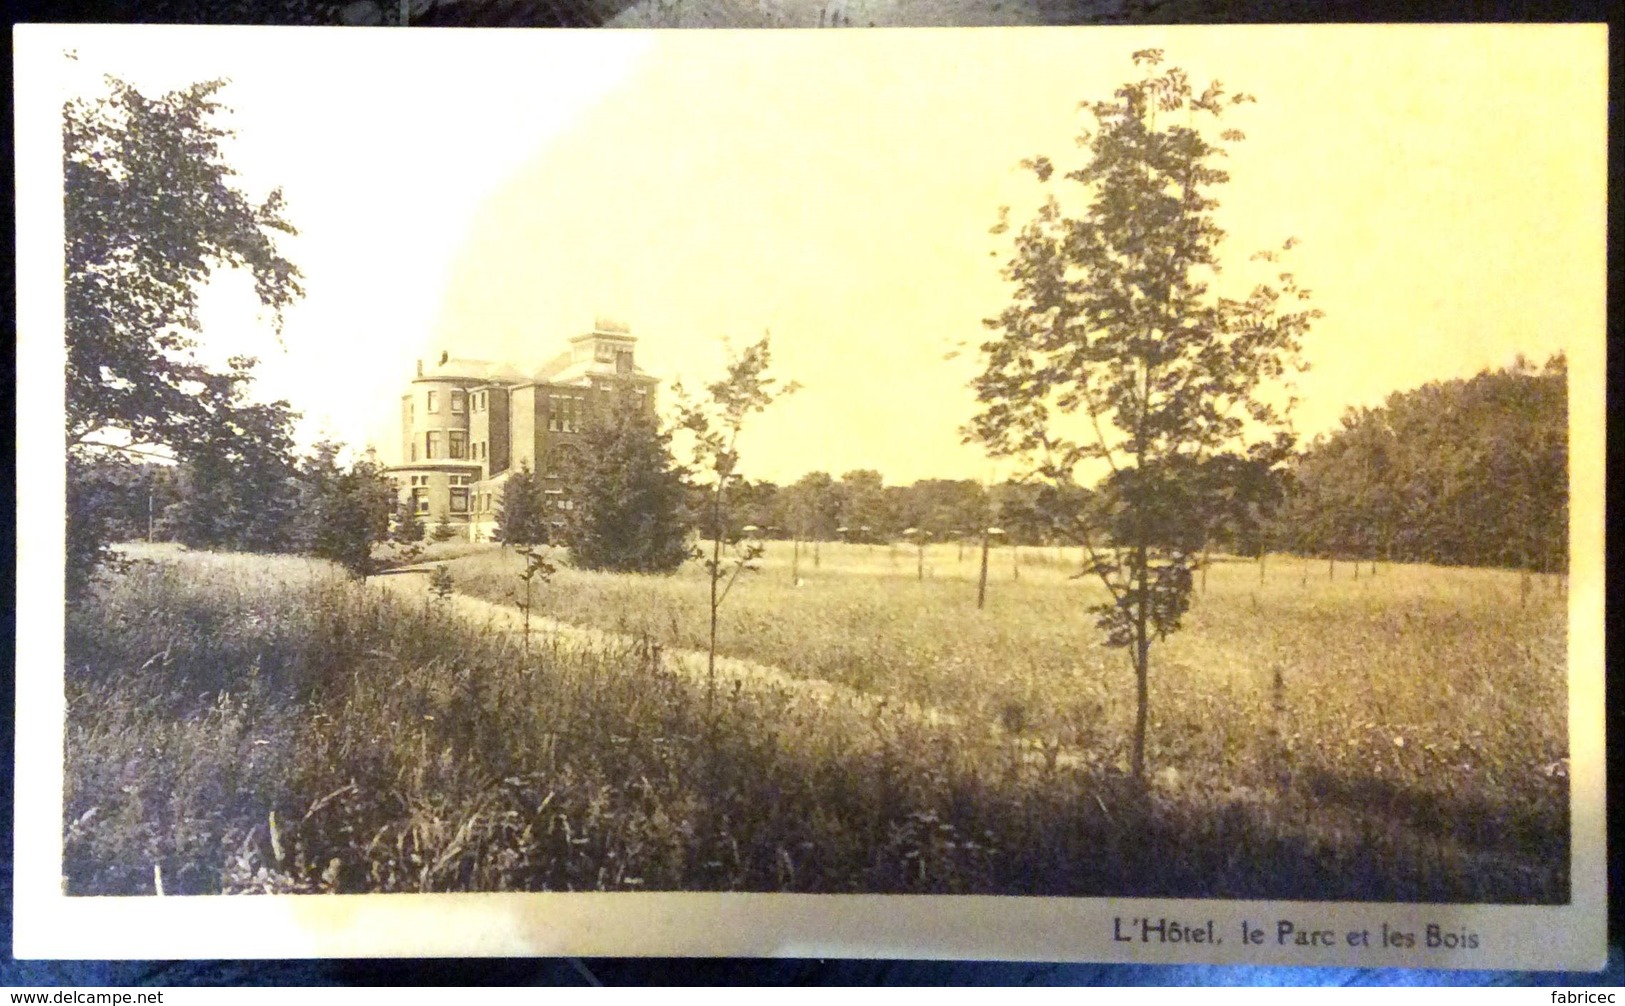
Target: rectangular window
456,400
459,444
623,361
564,413
420,500
431,445
459,500
434,401
414,450
411,412
461,480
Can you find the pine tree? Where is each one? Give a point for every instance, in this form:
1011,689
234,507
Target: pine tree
521,517
626,494
405,527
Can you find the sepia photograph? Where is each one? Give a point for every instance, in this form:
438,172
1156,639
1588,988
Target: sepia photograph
1117,494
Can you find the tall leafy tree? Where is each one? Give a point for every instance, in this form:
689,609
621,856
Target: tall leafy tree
627,493
152,209
240,482
863,505
1116,354
345,508
812,507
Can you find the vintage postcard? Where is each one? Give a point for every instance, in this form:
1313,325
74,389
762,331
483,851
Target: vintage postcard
1083,494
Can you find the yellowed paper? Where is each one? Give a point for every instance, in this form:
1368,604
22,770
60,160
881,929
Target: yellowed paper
487,196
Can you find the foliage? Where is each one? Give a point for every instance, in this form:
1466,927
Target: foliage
443,529
441,583
1114,331
345,510
112,497
811,507
240,485
864,510
626,492
521,517
152,210
405,527
1464,472
713,424
538,566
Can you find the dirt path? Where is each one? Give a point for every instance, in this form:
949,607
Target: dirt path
413,582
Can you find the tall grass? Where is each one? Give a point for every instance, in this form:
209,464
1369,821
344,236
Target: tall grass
249,724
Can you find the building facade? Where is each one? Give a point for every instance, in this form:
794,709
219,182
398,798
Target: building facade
467,425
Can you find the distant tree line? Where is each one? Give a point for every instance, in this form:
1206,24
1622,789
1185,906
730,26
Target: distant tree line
250,493
1466,472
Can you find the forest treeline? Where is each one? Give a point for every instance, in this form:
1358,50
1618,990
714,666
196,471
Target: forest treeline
1464,472
1470,472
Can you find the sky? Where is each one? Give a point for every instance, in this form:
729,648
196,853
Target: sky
490,193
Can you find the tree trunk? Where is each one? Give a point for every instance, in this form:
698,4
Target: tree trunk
1331,567
795,562
527,616
1015,561
716,574
815,553
922,560
1142,694
981,584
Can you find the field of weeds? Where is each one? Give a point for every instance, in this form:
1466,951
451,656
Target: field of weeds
255,724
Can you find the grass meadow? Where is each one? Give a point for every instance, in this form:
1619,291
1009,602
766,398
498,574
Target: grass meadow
248,723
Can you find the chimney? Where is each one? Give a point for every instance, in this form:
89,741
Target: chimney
420,368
